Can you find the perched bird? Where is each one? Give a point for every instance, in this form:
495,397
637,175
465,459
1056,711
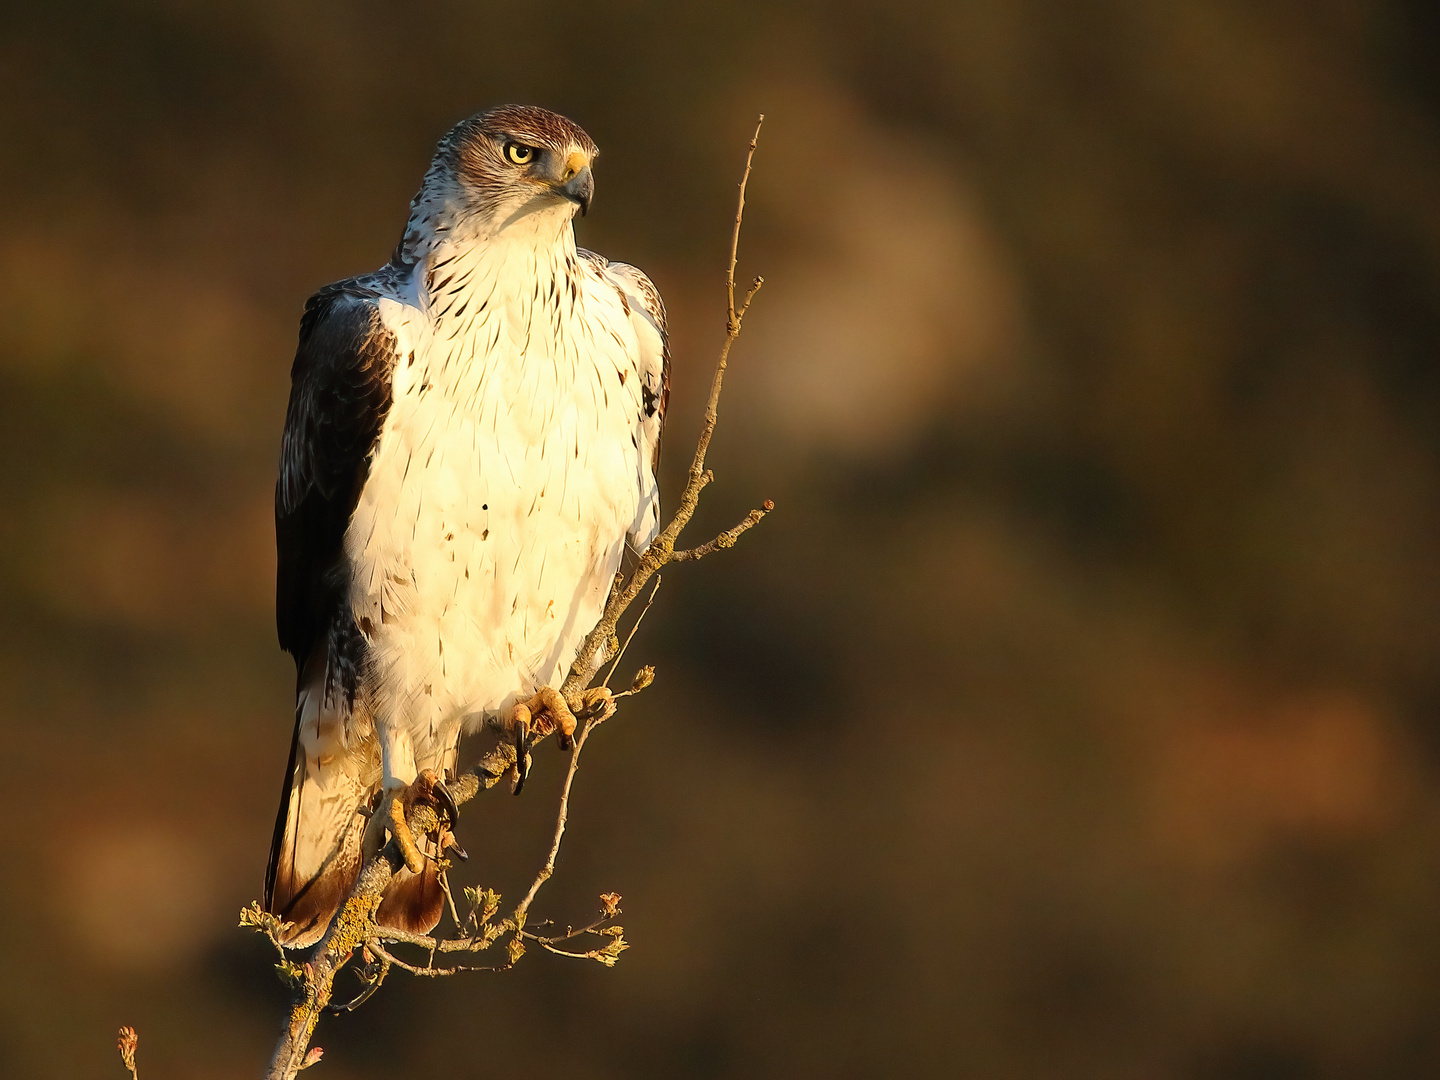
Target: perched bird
471,442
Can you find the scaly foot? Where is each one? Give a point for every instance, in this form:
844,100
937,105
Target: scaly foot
548,711
390,816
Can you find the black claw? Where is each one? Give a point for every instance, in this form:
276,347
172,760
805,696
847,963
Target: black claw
460,852
522,765
522,768
565,741
447,802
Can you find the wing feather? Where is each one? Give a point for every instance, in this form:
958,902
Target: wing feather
647,315
647,318
340,392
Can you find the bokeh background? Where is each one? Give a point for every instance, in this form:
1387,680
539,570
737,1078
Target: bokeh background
1077,713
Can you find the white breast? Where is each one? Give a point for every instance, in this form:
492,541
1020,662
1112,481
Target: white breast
506,477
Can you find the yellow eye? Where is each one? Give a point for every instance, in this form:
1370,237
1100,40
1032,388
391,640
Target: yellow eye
519,153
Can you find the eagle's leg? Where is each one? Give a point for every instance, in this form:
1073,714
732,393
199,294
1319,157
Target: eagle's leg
517,724
395,803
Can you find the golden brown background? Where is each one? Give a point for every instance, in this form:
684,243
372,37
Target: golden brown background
1076,715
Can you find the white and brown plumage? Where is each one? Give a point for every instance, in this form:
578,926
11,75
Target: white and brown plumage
470,444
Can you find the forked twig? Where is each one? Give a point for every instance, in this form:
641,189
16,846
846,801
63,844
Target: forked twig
726,539
631,636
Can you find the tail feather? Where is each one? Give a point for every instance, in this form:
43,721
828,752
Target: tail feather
315,853
413,902
282,821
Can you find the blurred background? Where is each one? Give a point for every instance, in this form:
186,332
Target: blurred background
1076,714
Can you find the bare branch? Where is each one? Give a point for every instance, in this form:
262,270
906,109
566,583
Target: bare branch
726,539
449,898
569,934
735,235
631,636
373,981
561,818
432,972
606,954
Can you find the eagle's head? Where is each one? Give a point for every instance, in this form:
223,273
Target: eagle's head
514,165
517,158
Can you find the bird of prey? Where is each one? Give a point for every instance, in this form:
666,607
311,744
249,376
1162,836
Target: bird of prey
470,445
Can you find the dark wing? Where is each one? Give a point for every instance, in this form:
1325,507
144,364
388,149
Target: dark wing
340,391
339,395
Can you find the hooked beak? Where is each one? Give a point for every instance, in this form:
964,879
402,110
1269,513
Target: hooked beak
580,189
577,182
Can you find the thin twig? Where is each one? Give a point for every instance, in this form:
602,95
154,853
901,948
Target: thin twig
372,984
739,216
569,933
449,899
518,916
432,972
620,655
661,549
726,539
591,955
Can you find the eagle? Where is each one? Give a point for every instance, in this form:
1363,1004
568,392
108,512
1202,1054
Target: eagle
470,448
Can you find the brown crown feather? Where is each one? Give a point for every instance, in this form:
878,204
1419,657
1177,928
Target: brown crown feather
470,145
